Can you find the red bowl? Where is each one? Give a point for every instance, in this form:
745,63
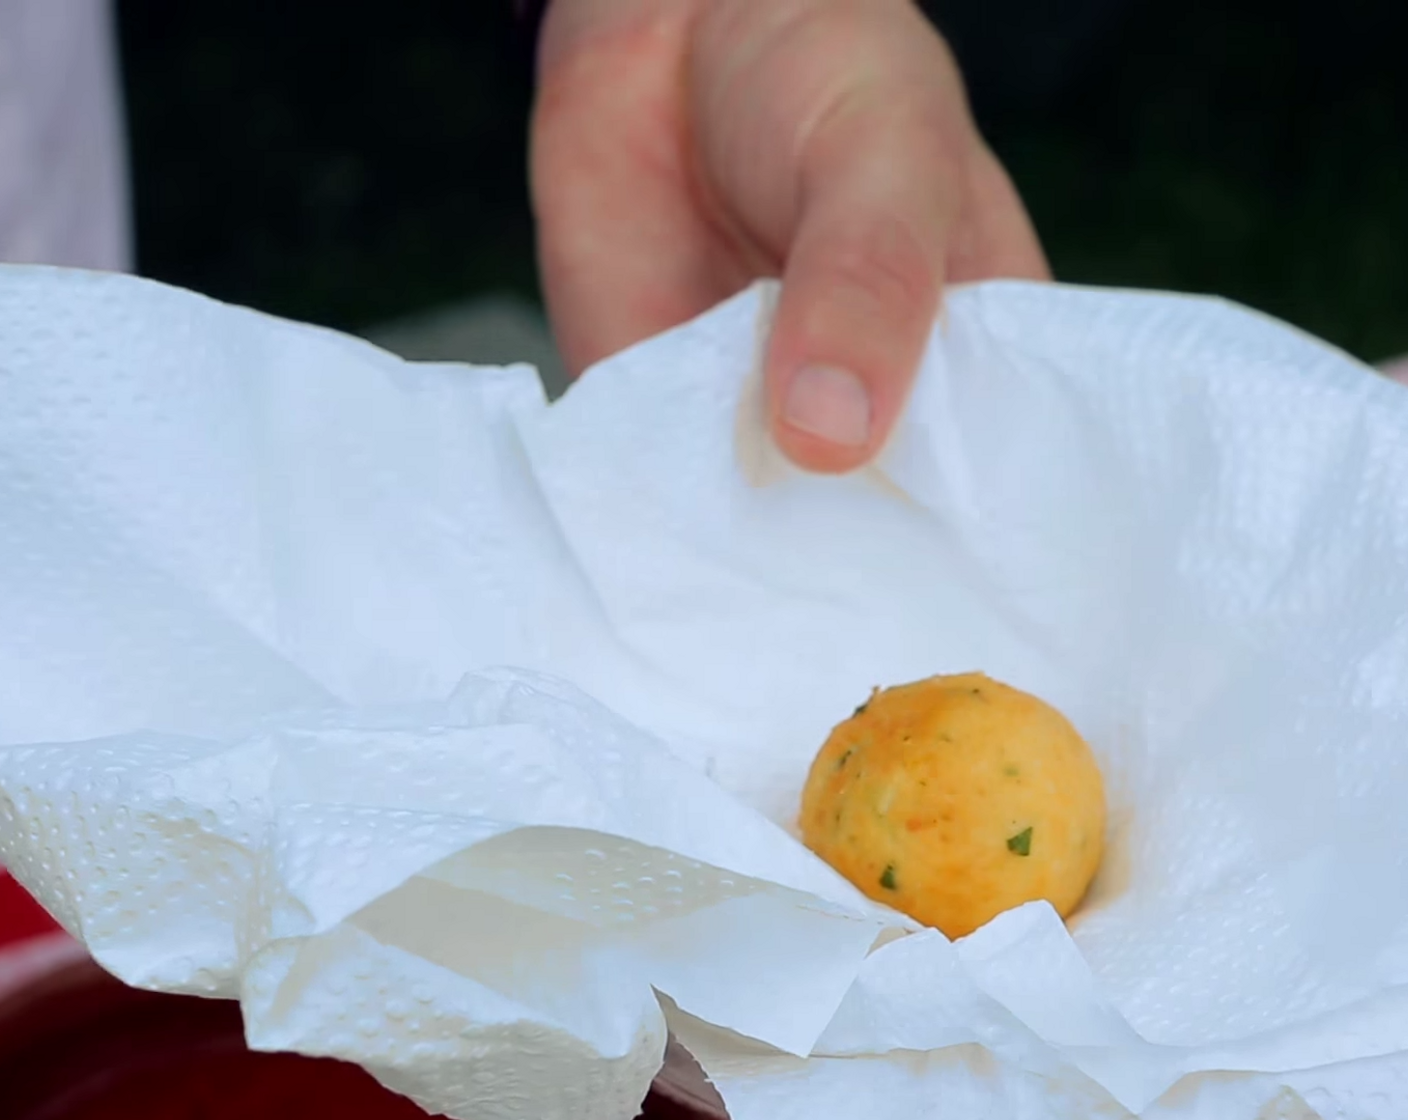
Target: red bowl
76,1044
20,916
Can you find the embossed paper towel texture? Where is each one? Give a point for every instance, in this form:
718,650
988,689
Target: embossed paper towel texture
245,563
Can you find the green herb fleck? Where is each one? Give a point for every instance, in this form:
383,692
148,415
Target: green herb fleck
841,762
860,709
1021,844
887,877
1011,771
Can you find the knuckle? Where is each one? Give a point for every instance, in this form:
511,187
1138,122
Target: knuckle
886,265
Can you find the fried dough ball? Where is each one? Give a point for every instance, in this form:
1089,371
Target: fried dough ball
955,798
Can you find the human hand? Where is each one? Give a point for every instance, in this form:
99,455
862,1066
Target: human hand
683,148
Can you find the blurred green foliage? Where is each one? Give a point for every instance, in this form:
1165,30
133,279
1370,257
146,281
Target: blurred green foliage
351,162
340,163
1253,150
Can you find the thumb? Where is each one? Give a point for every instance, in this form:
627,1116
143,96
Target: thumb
878,198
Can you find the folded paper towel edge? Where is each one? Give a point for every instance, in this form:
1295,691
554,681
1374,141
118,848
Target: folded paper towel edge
345,340
215,967
1223,304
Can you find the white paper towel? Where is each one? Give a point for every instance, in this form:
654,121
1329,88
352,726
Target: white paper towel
259,583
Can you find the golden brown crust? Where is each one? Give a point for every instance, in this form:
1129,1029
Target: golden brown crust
955,798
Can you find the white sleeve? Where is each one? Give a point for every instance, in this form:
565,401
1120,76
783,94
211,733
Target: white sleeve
63,169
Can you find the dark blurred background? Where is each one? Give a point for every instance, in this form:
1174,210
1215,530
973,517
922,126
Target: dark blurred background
354,162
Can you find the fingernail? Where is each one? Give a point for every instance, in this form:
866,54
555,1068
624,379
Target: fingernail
829,403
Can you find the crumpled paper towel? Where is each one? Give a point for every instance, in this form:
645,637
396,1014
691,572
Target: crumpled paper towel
286,626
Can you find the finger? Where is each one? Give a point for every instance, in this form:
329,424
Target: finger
994,236
623,251
879,194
